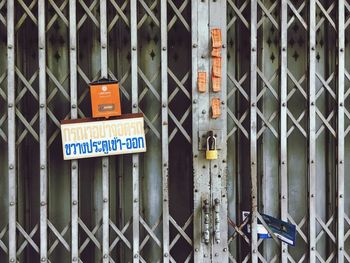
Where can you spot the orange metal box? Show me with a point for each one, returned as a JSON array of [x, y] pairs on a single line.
[[105, 98]]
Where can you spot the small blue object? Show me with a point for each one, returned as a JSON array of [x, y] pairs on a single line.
[[284, 231]]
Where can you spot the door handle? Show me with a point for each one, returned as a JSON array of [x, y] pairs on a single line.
[[217, 235], [206, 232]]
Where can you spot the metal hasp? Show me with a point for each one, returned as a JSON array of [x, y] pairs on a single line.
[[206, 223], [217, 235]]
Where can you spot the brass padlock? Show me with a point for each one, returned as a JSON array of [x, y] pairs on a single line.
[[211, 152]]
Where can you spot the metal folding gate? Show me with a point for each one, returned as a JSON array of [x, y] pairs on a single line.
[[284, 115]]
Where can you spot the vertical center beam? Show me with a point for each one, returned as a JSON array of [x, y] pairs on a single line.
[[340, 130], [105, 160], [165, 137], [312, 131], [135, 157], [253, 129], [74, 115], [283, 122], [218, 168], [11, 126], [42, 129], [200, 122]]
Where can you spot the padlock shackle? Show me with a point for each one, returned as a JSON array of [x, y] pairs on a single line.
[[214, 146]]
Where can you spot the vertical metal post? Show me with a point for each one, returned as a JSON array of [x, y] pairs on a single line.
[[74, 115], [43, 133], [340, 130], [11, 117], [165, 136], [135, 157], [283, 122], [105, 160], [312, 131], [218, 168], [200, 117], [253, 129]]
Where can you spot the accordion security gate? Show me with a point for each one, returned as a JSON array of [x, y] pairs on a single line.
[[285, 117]]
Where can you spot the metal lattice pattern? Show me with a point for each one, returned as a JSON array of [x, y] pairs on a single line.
[[287, 98]]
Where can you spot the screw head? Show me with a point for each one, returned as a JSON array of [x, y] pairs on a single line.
[[43, 259], [105, 200], [196, 249], [75, 202], [75, 259], [133, 48], [74, 106], [42, 203], [194, 45], [225, 249]]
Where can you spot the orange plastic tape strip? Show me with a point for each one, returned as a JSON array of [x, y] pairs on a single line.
[[216, 38], [215, 107], [216, 84], [217, 67], [202, 81]]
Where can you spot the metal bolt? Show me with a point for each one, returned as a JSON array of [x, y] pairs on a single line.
[[12, 203], [253, 104], [165, 200], [105, 256], [10, 47], [203, 56], [10, 105], [136, 256], [341, 49], [135, 200], [133, 48], [224, 161], [74, 167], [42, 203], [341, 161], [43, 259], [104, 165], [253, 49], [165, 164], [204, 111], [312, 103], [12, 260], [164, 48], [283, 104], [222, 103], [284, 49], [283, 162], [196, 250], [166, 255], [134, 105], [216, 254], [75, 259], [203, 166], [254, 250], [312, 161], [194, 45], [313, 248], [205, 255], [164, 105], [105, 200], [11, 166], [312, 195], [75, 202], [225, 249], [284, 250], [195, 156], [41, 47], [72, 48], [253, 196], [195, 101], [341, 104], [253, 163], [135, 165], [341, 196], [223, 46], [341, 248], [165, 123], [74, 106], [284, 197], [42, 167], [42, 105], [215, 166], [312, 48]]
